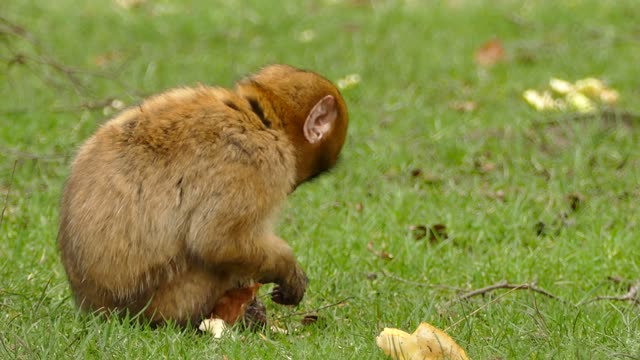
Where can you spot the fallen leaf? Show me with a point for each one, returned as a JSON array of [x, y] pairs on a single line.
[[426, 343], [464, 106], [416, 172], [382, 254], [540, 228], [490, 53], [575, 200], [309, 319], [438, 232], [359, 207], [418, 231], [106, 59]]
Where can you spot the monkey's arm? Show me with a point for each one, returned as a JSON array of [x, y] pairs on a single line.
[[231, 233], [282, 268]]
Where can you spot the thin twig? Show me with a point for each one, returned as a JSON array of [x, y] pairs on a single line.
[[71, 74], [478, 310], [631, 295], [416, 283], [6, 198], [315, 310], [31, 156], [504, 284]]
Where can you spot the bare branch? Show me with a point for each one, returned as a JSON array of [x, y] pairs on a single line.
[[416, 283], [631, 295], [504, 284], [6, 198], [315, 310], [31, 156]]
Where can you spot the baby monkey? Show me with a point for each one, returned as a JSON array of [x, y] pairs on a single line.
[[170, 205]]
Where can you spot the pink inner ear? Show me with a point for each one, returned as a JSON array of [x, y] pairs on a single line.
[[320, 119]]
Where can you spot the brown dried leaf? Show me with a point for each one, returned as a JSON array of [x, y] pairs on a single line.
[[575, 200], [106, 59], [359, 207], [418, 231], [463, 106], [490, 53], [382, 254], [416, 172], [540, 228], [309, 319], [438, 232]]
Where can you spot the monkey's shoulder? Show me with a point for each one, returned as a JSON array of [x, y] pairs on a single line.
[[188, 127]]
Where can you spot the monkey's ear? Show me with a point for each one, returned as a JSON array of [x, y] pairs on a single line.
[[320, 119]]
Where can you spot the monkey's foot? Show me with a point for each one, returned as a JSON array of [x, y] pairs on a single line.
[[255, 316]]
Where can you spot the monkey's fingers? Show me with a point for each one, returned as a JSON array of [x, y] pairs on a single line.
[[282, 296]]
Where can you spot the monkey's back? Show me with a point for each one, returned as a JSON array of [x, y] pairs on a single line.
[[145, 185]]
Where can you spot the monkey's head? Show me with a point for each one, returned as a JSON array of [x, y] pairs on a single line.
[[307, 107]]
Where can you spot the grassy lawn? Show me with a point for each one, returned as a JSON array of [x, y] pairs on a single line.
[[523, 196]]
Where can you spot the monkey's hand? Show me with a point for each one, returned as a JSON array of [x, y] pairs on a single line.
[[291, 291]]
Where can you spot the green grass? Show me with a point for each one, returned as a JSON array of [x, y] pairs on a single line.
[[415, 59]]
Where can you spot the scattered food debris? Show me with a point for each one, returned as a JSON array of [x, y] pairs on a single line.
[[584, 96], [128, 4], [217, 327], [426, 343], [348, 81], [306, 36]]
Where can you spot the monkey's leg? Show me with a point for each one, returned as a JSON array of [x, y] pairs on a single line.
[[255, 316], [187, 298]]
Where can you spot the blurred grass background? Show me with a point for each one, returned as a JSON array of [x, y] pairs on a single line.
[[524, 196]]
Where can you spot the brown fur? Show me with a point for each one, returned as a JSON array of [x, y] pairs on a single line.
[[170, 204]]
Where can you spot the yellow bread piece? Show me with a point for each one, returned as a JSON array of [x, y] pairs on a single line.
[[426, 343]]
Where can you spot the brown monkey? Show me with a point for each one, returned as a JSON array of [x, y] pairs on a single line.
[[169, 206]]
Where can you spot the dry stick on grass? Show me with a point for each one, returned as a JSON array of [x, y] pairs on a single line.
[[416, 283], [631, 295], [18, 57], [504, 284], [477, 310], [32, 156], [316, 309], [6, 198]]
